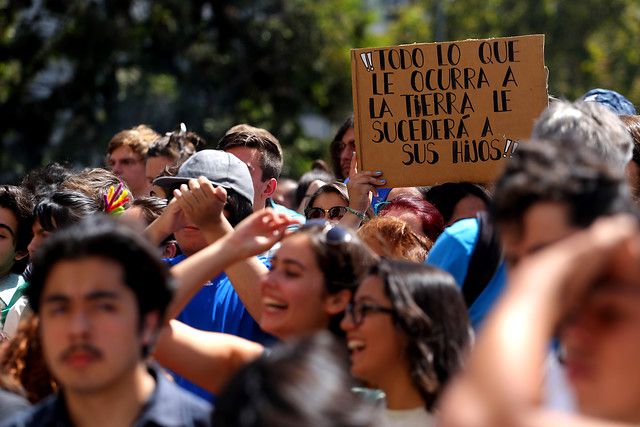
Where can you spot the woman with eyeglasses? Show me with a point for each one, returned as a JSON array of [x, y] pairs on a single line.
[[407, 331]]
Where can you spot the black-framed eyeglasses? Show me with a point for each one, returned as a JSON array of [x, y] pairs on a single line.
[[358, 311], [333, 213]]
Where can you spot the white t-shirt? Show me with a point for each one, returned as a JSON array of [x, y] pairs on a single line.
[[8, 286], [417, 417]]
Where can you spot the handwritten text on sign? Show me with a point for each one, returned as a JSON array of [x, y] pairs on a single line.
[[432, 113]]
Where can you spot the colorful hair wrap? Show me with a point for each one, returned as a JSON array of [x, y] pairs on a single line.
[[115, 199]]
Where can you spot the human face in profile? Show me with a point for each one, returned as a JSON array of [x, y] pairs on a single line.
[[8, 231], [377, 346], [347, 147]]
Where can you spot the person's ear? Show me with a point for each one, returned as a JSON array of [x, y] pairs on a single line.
[[337, 303], [150, 328], [169, 250], [269, 187]]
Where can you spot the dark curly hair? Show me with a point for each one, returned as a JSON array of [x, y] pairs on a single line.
[[429, 308], [177, 146], [543, 171], [22, 361], [64, 208]]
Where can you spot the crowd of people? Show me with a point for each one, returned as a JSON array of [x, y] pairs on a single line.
[[188, 286]]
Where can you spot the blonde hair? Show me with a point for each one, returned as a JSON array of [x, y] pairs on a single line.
[[392, 237], [138, 138]]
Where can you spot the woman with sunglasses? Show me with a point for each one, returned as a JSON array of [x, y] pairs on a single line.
[[329, 202], [407, 331], [313, 276]]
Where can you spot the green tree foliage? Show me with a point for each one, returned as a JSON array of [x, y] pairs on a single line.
[[74, 72], [588, 43]]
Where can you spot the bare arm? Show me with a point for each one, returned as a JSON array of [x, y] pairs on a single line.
[[208, 359], [171, 219], [231, 250]]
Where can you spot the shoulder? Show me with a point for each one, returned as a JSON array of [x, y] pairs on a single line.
[[459, 237], [11, 404], [46, 413], [171, 406]]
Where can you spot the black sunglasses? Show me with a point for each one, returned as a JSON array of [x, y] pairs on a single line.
[[333, 213]]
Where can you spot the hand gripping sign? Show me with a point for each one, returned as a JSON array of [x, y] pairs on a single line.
[[446, 112]]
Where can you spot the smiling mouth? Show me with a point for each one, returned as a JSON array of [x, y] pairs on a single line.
[[355, 345], [273, 305]]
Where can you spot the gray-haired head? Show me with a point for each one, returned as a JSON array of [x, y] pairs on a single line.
[[585, 125]]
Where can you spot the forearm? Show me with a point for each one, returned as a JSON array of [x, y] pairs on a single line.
[[157, 231], [245, 276], [207, 359]]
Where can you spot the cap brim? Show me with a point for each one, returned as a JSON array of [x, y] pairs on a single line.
[[170, 181]]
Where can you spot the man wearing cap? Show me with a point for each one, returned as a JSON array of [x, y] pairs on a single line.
[[216, 307]]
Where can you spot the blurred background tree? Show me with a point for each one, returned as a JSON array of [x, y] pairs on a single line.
[[74, 72]]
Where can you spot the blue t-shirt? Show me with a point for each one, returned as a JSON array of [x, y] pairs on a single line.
[[452, 253], [217, 308]]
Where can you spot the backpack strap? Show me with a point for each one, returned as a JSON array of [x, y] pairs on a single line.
[[484, 261]]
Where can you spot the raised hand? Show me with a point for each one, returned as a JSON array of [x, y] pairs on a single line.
[[201, 202], [361, 185], [258, 232]]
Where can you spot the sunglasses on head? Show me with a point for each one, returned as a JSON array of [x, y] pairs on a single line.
[[332, 234], [335, 212]]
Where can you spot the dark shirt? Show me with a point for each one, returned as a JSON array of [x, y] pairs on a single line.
[[168, 406]]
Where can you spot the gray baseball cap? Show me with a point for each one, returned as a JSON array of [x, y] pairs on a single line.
[[219, 167]]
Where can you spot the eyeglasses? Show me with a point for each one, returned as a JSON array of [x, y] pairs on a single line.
[[333, 213], [358, 311]]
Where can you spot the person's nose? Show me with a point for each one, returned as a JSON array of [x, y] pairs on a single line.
[[347, 324], [80, 325], [33, 246]]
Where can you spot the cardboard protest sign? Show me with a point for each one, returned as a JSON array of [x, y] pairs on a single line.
[[446, 112]]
